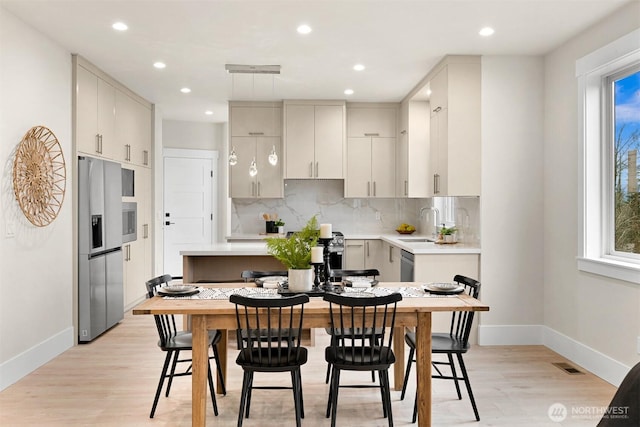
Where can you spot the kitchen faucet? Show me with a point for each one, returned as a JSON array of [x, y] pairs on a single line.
[[433, 208]]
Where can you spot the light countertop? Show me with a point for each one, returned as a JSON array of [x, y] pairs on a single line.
[[250, 245]]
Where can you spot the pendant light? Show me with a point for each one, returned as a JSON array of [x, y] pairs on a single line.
[[273, 156], [253, 168], [233, 157]]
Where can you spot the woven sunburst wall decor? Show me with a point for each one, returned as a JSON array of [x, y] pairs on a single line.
[[39, 176]]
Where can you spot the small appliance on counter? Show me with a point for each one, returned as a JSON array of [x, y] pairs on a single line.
[[100, 269]]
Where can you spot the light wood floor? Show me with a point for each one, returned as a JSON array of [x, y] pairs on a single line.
[[111, 382]]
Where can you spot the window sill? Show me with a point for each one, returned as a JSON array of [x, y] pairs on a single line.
[[612, 268]]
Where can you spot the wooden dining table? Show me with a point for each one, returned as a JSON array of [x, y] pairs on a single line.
[[219, 314]]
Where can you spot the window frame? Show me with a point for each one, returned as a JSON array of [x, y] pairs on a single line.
[[595, 192]]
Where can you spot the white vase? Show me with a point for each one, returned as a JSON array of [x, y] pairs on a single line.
[[300, 280]]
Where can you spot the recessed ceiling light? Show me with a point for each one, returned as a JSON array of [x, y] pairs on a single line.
[[486, 31], [304, 29], [185, 90], [159, 65], [358, 67], [348, 91], [208, 113], [120, 26]]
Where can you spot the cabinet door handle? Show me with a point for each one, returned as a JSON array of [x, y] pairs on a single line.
[[310, 169], [390, 254], [317, 169], [368, 188], [371, 134], [436, 182], [437, 109], [374, 188], [256, 133], [253, 189], [97, 143], [406, 187], [127, 253], [367, 243], [145, 154], [145, 232], [403, 132], [258, 189]]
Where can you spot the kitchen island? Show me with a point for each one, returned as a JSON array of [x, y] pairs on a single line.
[[224, 262]]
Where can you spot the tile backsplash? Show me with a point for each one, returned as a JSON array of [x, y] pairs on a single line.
[[325, 198]]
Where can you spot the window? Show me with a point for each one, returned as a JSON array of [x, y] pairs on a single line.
[[609, 96], [623, 105]]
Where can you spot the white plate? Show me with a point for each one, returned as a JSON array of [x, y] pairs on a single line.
[[177, 289], [354, 279], [443, 287]]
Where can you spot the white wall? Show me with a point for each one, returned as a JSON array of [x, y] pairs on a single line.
[[601, 315], [512, 199], [37, 266]]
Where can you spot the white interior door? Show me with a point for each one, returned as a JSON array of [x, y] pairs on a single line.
[[188, 207]]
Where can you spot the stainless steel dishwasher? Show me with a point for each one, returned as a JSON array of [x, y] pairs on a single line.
[[406, 266]]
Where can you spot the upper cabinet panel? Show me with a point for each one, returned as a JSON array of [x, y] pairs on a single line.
[[371, 121], [256, 120]]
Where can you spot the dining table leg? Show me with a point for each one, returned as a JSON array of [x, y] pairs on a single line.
[[200, 359], [423, 368], [398, 350]]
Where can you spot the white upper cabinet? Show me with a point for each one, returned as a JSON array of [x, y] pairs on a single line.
[[95, 108], [255, 133], [371, 151], [111, 123], [314, 139], [133, 130], [413, 150], [455, 128], [371, 120], [256, 120]]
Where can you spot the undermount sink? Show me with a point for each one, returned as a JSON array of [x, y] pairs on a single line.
[[416, 240]]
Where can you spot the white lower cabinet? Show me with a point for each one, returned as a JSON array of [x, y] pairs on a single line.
[[389, 263], [360, 254]]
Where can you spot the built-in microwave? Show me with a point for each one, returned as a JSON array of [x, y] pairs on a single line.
[[129, 221]]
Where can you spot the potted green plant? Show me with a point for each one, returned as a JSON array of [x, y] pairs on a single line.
[[295, 253], [280, 224], [448, 233]]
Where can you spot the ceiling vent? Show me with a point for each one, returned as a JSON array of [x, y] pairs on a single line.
[[252, 69]]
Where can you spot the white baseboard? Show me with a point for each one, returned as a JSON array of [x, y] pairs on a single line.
[[586, 357], [23, 364]]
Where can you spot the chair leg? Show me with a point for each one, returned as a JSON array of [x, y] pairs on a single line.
[[296, 397], [454, 375], [249, 391], [163, 374], [219, 369], [415, 409], [406, 375], [243, 397], [465, 376], [384, 402], [176, 355], [328, 376], [212, 391], [300, 393], [387, 395], [335, 379]]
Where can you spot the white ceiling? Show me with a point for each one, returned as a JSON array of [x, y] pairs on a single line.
[[398, 41]]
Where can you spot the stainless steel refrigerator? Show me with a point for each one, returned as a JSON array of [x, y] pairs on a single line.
[[100, 269]]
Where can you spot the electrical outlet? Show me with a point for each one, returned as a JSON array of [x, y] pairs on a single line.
[[10, 229], [378, 216]]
